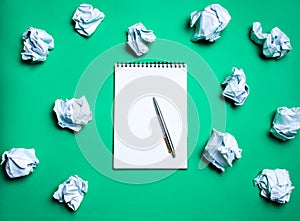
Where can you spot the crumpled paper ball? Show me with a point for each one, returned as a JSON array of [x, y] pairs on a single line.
[[37, 44], [87, 19], [236, 88], [275, 45], [221, 150], [71, 192], [286, 123], [19, 162], [138, 37], [275, 185], [209, 22], [73, 114]]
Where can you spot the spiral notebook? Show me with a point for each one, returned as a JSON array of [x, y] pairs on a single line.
[[138, 137]]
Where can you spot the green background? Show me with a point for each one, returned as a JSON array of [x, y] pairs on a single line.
[[28, 93]]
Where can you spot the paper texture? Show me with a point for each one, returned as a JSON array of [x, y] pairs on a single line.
[[138, 37], [87, 19], [275, 185], [236, 88], [275, 45], [37, 44], [138, 137], [221, 150], [73, 114], [209, 22], [71, 192], [19, 162], [286, 123]]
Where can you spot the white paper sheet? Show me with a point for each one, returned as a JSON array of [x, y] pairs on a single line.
[[209, 22], [275, 45], [87, 19], [37, 44], [275, 185], [19, 162], [71, 192], [286, 123], [138, 37], [236, 88], [221, 150], [73, 114]]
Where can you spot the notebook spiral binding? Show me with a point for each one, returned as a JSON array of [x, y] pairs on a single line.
[[152, 64]]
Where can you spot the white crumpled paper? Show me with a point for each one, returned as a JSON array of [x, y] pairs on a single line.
[[138, 36], [275, 45], [275, 185], [71, 192], [87, 19], [221, 150], [37, 44], [19, 162], [209, 22], [236, 88], [72, 114], [286, 123]]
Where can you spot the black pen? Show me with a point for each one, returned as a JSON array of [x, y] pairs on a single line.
[[164, 129]]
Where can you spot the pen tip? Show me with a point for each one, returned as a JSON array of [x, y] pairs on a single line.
[[173, 155]]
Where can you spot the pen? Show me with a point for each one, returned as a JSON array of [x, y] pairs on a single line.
[[164, 129]]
